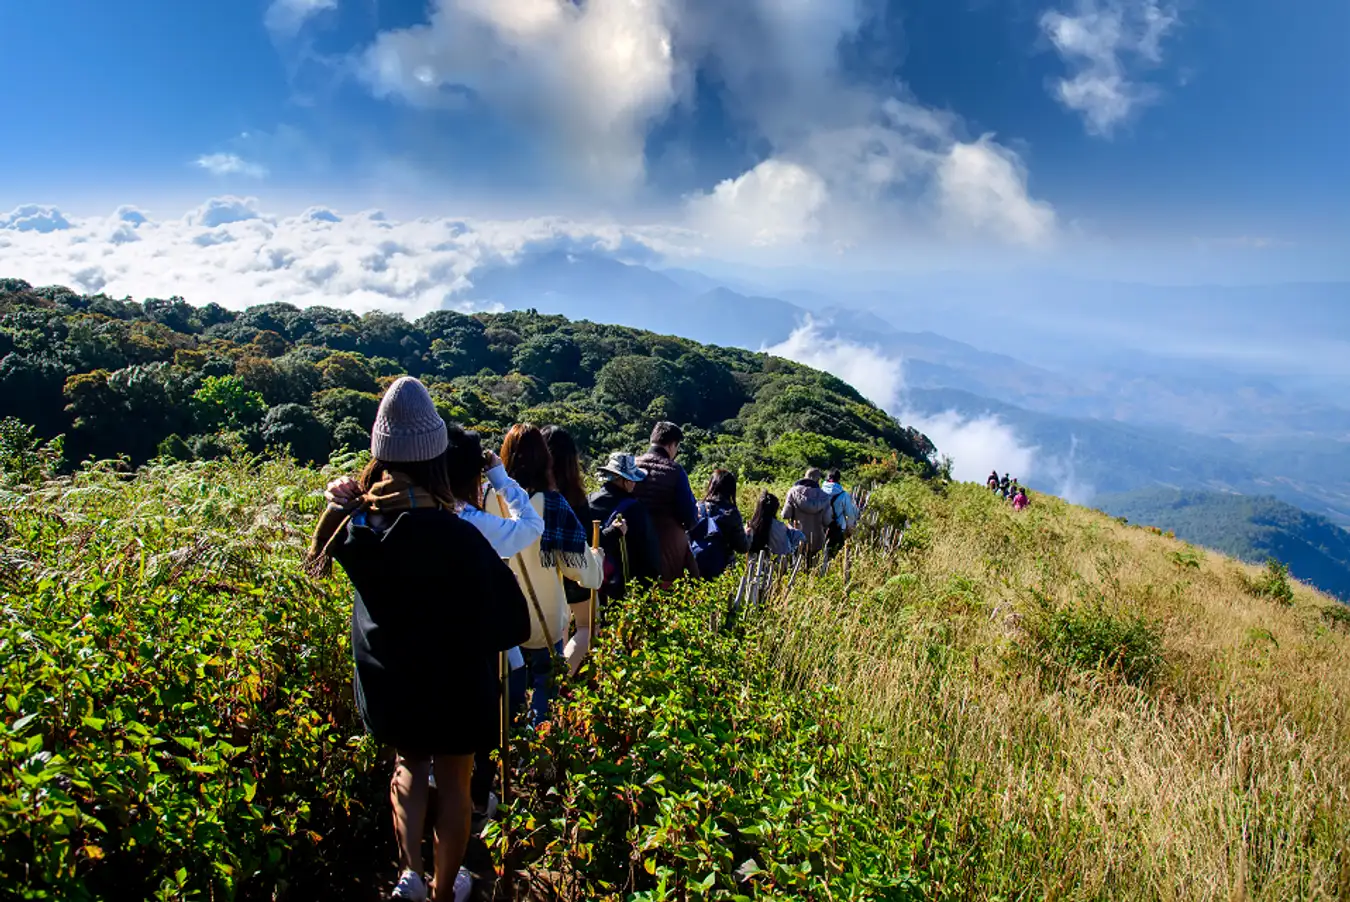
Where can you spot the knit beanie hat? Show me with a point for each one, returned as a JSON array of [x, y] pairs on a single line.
[[407, 428]]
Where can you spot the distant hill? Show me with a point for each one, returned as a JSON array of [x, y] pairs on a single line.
[[164, 378], [1252, 528]]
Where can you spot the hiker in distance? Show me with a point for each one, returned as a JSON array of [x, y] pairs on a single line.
[[719, 533], [992, 482], [768, 533], [632, 552], [434, 605], [1020, 500], [843, 512], [807, 507], [669, 501], [562, 553]]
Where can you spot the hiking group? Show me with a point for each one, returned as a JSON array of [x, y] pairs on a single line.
[[470, 567], [1009, 489]]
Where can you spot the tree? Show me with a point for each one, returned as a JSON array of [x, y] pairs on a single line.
[[638, 381], [224, 402], [293, 427], [549, 358], [337, 404], [347, 370]]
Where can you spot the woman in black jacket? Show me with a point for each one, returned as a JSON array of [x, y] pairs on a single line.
[[719, 534], [434, 604]]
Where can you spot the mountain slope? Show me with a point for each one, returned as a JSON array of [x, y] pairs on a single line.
[[1316, 550]]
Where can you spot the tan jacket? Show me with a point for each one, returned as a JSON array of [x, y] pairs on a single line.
[[548, 583]]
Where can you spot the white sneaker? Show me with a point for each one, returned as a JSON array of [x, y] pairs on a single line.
[[463, 885], [411, 886]]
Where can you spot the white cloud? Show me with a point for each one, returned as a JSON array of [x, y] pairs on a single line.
[[232, 252], [775, 202], [842, 162], [34, 218], [983, 189], [594, 76], [879, 378], [285, 18], [222, 164], [976, 444], [1101, 42]]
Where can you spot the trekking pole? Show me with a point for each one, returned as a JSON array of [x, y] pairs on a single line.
[[595, 593], [504, 741], [846, 570]]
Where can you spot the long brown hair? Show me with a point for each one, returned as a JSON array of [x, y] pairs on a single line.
[[761, 522], [527, 458], [431, 475], [464, 463], [567, 476]]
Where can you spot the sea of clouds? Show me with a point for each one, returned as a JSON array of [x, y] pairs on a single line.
[[230, 251]]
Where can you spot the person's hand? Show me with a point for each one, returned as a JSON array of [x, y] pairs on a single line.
[[621, 525], [342, 491], [493, 461]]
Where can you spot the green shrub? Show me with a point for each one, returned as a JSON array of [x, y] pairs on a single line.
[[1337, 615], [1090, 637], [1274, 584]]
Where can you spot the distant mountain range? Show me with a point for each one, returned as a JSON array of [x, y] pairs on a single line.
[[1252, 528], [1063, 368]]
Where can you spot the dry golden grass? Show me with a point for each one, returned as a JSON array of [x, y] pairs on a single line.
[[1227, 777]]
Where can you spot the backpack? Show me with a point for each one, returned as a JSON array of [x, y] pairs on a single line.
[[708, 543], [834, 530]]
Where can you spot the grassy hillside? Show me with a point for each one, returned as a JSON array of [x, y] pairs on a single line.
[[1251, 528], [1044, 705], [163, 378]]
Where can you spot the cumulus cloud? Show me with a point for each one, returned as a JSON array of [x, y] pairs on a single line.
[[840, 159], [975, 443], [34, 218], [285, 18], [1103, 42], [593, 75], [222, 164], [773, 203], [231, 251]]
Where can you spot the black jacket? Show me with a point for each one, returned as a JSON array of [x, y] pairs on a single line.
[[434, 605], [644, 551]]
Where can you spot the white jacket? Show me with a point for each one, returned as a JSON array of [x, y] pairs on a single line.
[[548, 583], [508, 536]]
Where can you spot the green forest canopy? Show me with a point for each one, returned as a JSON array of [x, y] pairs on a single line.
[[166, 378]]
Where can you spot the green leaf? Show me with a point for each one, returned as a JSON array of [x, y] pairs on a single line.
[[94, 723]]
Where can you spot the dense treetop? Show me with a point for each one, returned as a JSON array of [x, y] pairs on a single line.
[[165, 378]]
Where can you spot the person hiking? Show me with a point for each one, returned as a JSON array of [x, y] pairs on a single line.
[[768, 533], [719, 533], [466, 465], [807, 508], [425, 581], [632, 552], [571, 484], [669, 501], [843, 512], [1020, 500], [1004, 485], [562, 553], [992, 482]]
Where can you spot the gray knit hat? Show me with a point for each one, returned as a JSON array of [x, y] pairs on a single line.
[[407, 428]]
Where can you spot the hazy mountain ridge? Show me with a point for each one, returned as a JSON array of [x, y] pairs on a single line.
[[1251, 528]]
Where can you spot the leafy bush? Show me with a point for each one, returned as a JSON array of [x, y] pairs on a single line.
[[1089, 637], [176, 698], [684, 771], [1274, 584]]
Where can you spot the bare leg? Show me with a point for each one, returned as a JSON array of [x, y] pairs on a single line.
[[454, 773], [408, 793], [580, 643]]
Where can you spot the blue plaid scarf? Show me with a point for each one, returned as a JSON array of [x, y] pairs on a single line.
[[564, 540]]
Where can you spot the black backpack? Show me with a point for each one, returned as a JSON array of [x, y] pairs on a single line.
[[834, 530]]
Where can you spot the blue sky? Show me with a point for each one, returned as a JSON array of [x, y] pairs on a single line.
[[1138, 135]]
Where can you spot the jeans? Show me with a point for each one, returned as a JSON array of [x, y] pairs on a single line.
[[536, 675]]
